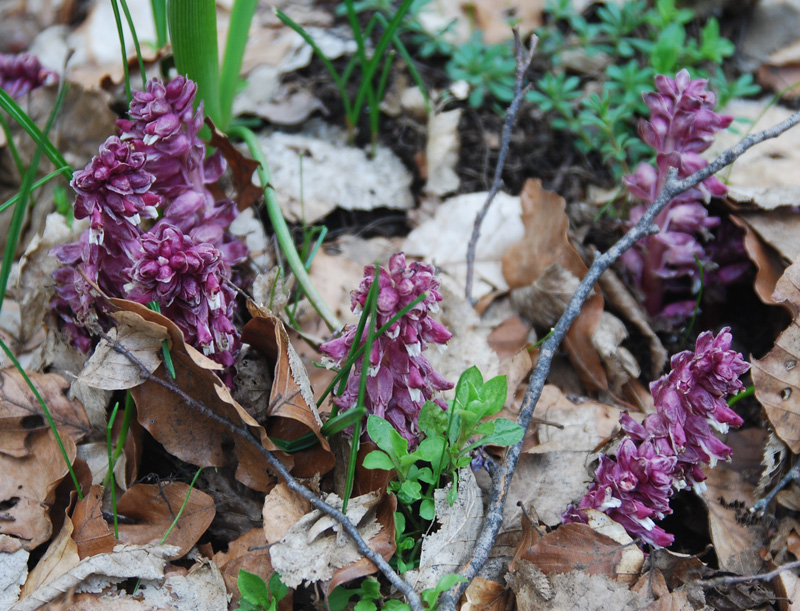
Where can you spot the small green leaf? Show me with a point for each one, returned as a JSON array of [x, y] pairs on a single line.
[[410, 492], [432, 419], [387, 439], [427, 509], [253, 588], [338, 599], [277, 588], [365, 605]]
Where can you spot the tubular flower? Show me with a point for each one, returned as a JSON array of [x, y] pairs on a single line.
[[682, 125], [667, 451], [20, 74], [400, 378], [183, 261]]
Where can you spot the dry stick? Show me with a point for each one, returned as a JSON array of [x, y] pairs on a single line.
[[502, 479], [523, 63], [729, 580], [244, 433]]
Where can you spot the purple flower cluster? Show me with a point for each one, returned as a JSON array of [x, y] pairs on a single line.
[[20, 74], [400, 379], [667, 450], [183, 261], [682, 125]]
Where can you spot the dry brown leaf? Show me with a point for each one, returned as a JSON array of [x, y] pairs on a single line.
[[249, 552], [382, 543], [443, 239], [91, 533], [282, 509], [242, 168], [576, 590], [632, 559], [60, 558], [448, 548], [620, 365], [737, 540], [21, 414], [509, 337], [779, 229], [577, 547], [201, 588], [316, 546], [787, 589], [107, 369], [13, 571], [95, 455], [183, 431], [153, 508], [546, 243], [486, 595], [27, 487], [776, 377], [492, 18]]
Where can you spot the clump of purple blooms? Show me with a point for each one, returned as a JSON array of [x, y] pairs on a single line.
[[183, 260], [22, 73], [400, 379], [666, 451], [682, 125]]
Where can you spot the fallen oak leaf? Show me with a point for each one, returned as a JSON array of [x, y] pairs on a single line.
[[249, 552]]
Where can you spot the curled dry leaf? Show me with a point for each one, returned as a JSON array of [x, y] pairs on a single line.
[[620, 364], [184, 431], [26, 489], [486, 595], [776, 377], [547, 242], [241, 167], [316, 546], [769, 264], [21, 414], [447, 549], [292, 409], [60, 557], [108, 369], [201, 588], [125, 562]]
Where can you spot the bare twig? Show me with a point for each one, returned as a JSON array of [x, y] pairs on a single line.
[[762, 504], [523, 63], [729, 580], [645, 226], [243, 432]]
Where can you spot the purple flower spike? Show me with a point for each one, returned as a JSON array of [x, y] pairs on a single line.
[[666, 452], [400, 378], [20, 74], [682, 124]]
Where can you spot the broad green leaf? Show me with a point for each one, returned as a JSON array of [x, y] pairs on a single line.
[[410, 492], [387, 438], [365, 605], [471, 376], [370, 588], [338, 599], [277, 588], [427, 509], [432, 450], [506, 433], [378, 459]]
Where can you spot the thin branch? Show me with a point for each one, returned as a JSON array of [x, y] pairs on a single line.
[[243, 432], [762, 504], [523, 63], [729, 580], [502, 479]]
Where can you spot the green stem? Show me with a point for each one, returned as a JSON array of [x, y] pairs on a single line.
[[745, 393], [160, 19], [47, 415], [238, 31], [130, 408], [109, 478], [281, 229]]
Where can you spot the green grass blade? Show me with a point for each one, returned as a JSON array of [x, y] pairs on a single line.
[[123, 51], [412, 67], [193, 30], [139, 57], [16, 113], [47, 415], [109, 478], [160, 19], [180, 512], [10, 202], [17, 219], [11, 146], [340, 83], [238, 32]]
